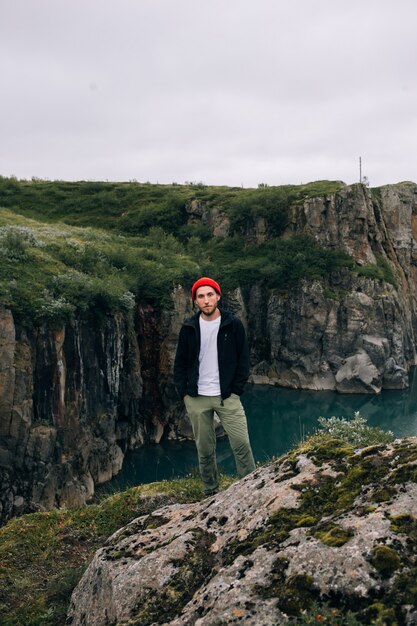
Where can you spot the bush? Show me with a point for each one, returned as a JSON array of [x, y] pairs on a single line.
[[355, 432], [279, 263], [381, 270], [14, 241], [269, 203]]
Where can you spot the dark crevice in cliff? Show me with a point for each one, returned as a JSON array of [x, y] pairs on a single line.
[[258, 336], [148, 325]]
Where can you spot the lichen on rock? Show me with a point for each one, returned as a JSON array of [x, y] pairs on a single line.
[[306, 532]]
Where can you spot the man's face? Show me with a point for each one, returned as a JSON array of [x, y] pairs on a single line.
[[206, 299]]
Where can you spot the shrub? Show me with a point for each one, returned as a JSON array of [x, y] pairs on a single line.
[[14, 241], [381, 270], [270, 203], [354, 432], [279, 263]]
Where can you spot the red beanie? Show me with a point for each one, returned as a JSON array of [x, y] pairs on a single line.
[[205, 282]]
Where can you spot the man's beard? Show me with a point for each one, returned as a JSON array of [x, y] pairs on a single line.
[[209, 311]]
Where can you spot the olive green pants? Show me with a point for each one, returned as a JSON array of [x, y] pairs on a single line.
[[232, 416]]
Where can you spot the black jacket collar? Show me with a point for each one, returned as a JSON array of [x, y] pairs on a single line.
[[194, 320]]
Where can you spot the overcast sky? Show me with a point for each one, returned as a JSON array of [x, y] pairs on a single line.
[[229, 92]]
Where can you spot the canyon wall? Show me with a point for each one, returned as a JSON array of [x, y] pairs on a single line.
[[353, 333], [73, 399]]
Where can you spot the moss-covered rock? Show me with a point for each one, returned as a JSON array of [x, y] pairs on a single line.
[[385, 560], [307, 533], [44, 555]]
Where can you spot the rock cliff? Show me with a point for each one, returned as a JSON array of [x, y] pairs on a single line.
[[325, 530], [356, 333], [73, 399]]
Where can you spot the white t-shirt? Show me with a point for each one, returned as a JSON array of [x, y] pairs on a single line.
[[208, 379]]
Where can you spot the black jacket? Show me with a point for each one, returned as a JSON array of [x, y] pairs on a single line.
[[233, 356]]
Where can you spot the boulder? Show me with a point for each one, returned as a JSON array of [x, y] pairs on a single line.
[[321, 527], [358, 375]]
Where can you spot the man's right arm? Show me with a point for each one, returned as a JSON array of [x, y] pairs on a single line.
[[181, 364]]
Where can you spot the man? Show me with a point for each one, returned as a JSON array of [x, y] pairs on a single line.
[[210, 371]]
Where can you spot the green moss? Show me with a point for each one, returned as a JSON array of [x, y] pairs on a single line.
[[379, 615], [324, 613], [404, 474], [324, 448], [306, 520], [405, 524], [286, 467], [328, 495], [384, 494], [331, 450], [385, 560], [332, 497], [406, 453], [404, 591], [293, 594], [332, 534], [192, 572]]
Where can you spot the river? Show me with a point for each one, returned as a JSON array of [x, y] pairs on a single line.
[[278, 418]]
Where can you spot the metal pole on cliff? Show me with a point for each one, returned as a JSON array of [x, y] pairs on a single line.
[[360, 170]]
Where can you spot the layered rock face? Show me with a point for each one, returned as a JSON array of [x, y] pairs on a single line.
[[73, 400], [358, 343], [354, 334], [60, 412], [323, 526]]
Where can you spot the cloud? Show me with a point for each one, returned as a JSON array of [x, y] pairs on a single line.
[[231, 92]]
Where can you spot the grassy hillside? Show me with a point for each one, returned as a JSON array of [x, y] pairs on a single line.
[[134, 208], [52, 272], [71, 249], [43, 555]]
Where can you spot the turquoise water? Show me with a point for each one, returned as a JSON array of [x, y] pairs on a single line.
[[278, 418]]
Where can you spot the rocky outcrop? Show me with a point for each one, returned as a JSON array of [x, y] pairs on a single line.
[[360, 340], [60, 414], [213, 218], [349, 334], [323, 529]]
